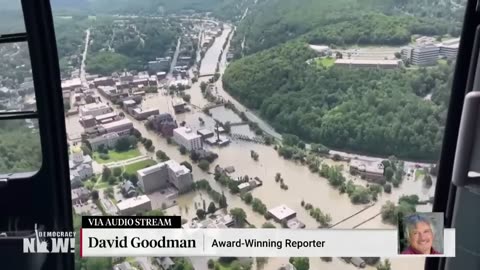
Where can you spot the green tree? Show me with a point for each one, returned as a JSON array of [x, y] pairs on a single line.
[[212, 208], [389, 173], [182, 149], [117, 171], [239, 216], [248, 198], [106, 173], [201, 214], [268, 225], [95, 195], [300, 263], [162, 156], [386, 265], [204, 165]]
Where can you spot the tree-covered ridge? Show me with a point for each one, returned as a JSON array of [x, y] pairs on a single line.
[[373, 111], [130, 43], [340, 22]]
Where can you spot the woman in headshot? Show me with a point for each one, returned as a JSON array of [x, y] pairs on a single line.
[[419, 234]]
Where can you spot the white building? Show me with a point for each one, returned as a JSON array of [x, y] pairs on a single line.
[[449, 48], [134, 205], [161, 175], [424, 55], [94, 109], [282, 213], [186, 137], [80, 166]]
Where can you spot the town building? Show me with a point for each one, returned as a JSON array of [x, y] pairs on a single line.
[[107, 140], [80, 166], [295, 224], [205, 133], [123, 266], [219, 222], [164, 124], [423, 55], [71, 84], [370, 171], [94, 109], [162, 175], [160, 64], [161, 75], [179, 105], [80, 195], [186, 137], [107, 118], [449, 49], [128, 103], [103, 81], [88, 121], [122, 127], [367, 63], [135, 205], [140, 114], [282, 213], [128, 189], [165, 263]]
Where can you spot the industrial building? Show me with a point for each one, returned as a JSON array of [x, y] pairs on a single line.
[[364, 63], [162, 175], [424, 55], [186, 137], [370, 171]]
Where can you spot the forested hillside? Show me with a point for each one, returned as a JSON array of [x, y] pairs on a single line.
[[343, 22], [397, 112], [225, 9]]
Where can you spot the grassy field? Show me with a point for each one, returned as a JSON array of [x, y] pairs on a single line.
[[116, 156], [419, 174], [326, 62], [134, 167]]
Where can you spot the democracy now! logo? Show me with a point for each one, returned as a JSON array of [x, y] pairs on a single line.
[[50, 242]]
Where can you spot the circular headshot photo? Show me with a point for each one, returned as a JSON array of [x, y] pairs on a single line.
[[421, 234]]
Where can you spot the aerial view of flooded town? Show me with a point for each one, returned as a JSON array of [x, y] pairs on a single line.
[[199, 115]]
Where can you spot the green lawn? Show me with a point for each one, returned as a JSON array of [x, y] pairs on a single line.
[[116, 156], [134, 167], [419, 174], [326, 62]]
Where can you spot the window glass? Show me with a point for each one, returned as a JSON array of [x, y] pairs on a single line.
[[16, 83], [20, 149], [11, 17]]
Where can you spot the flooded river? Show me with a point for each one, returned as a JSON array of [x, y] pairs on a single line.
[[302, 184]]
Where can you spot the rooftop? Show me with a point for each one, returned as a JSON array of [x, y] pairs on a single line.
[[367, 166], [173, 165], [95, 106], [118, 123], [366, 62], [105, 116], [104, 137], [72, 83], [281, 211], [186, 133], [133, 202]]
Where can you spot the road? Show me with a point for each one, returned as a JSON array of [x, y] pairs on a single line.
[[175, 55], [83, 76]]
